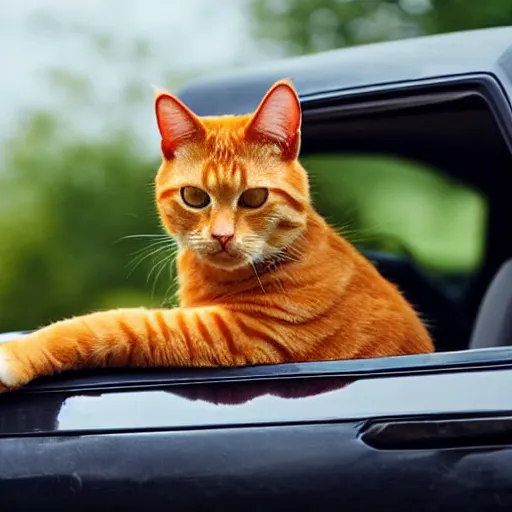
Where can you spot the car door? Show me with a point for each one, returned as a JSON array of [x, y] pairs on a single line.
[[427, 432]]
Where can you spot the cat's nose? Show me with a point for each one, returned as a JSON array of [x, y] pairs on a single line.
[[223, 238]]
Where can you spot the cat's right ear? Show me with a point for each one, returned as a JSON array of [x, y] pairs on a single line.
[[177, 124]]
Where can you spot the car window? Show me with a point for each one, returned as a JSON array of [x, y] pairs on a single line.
[[401, 207]]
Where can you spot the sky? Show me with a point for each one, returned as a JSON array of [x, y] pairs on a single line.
[[44, 38]]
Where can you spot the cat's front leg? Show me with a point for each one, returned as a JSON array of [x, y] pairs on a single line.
[[182, 337]]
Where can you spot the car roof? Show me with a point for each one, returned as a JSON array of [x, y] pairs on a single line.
[[406, 60]]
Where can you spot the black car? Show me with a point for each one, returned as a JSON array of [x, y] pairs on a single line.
[[423, 433]]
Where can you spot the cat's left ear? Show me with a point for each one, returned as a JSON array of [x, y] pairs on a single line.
[[278, 119], [177, 124]]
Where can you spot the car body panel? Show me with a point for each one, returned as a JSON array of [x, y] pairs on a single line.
[[261, 445], [303, 467], [410, 60], [260, 402]]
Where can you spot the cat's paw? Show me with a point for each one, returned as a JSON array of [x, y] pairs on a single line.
[[8, 377]]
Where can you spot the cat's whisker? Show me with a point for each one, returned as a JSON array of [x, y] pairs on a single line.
[[138, 260], [257, 276], [358, 235], [160, 242], [152, 245], [128, 237], [148, 252], [167, 262], [158, 266], [168, 298]]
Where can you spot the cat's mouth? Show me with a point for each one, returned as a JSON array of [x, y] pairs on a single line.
[[224, 254], [227, 258]]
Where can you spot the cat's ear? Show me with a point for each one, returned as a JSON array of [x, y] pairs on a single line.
[[177, 124], [278, 119]]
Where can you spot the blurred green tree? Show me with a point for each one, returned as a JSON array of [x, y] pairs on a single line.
[[304, 26], [71, 201], [66, 205]]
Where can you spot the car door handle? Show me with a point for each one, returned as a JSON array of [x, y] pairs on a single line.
[[438, 434]]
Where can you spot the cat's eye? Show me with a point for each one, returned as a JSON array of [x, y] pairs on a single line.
[[195, 197], [253, 198]]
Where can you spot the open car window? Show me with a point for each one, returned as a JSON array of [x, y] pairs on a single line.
[[418, 187], [403, 208], [424, 229]]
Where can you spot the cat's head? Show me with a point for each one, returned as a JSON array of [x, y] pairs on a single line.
[[230, 188]]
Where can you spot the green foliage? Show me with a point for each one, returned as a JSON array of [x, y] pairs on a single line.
[[306, 26], [66, 203], [72, 204], [401, 207]]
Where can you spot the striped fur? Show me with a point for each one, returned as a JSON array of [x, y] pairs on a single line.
[[285, 288]]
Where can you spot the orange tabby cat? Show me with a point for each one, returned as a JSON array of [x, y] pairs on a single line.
[[263, 278]]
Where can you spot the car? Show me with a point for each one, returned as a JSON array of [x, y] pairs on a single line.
[[423, 432]]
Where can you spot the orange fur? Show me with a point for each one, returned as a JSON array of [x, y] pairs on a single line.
[[257, 285]]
